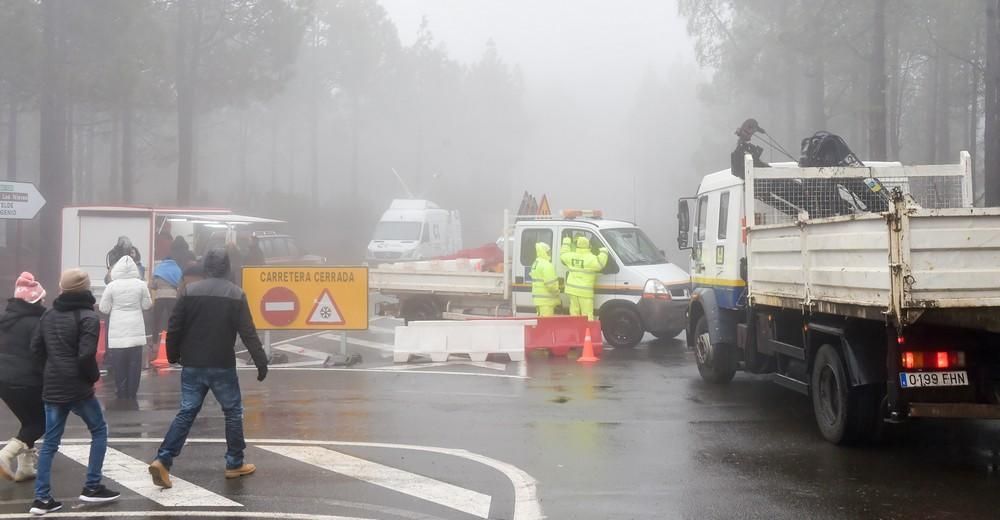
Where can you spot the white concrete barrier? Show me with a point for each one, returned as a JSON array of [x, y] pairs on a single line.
[[476, 338]]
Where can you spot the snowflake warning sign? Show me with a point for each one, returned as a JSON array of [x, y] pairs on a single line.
[[325, 311]]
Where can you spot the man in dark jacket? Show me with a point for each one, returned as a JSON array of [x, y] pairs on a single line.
[[65, 344], [202, 332]]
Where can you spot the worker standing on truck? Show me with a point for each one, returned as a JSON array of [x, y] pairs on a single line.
[[544, 284], [583, 266]]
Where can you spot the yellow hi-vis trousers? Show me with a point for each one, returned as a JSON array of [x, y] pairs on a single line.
[[545, 310], [580, 306]]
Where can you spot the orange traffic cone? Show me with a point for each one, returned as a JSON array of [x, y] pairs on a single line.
[[161, 357], [588, 350]]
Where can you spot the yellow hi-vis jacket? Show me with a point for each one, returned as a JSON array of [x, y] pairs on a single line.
[[544, 284], [583, 266]]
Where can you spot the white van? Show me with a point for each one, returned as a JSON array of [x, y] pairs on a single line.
[[414, 229]]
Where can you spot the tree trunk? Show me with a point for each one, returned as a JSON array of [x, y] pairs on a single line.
[[128, 148], [992, 100], [877, 113], [185, 103], [55, 181], [115, 158], [88, 161], [933, 81], [816, 97], [944, 152], [12, 113], [355, 147]]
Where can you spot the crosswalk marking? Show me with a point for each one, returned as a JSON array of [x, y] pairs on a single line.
[[419, 486], [133, 474]]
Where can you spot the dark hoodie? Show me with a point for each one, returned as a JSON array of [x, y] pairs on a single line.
[[17, 325], [65, 343], [207, 318]]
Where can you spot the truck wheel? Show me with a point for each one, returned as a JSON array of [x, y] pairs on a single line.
[[420, 309], [715, 362], [622, 327]]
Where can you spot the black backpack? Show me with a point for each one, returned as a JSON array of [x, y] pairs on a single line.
[[826, 149]]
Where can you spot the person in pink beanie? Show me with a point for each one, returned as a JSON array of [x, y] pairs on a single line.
[[21, 378]]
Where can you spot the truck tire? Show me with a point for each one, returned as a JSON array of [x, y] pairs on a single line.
[[622, 326], [419, 309], [844, 415], [715, 362]]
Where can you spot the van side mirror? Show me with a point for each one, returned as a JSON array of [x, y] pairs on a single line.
[[684, 224]]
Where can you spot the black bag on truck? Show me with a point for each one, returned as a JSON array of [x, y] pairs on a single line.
[[824, 149]]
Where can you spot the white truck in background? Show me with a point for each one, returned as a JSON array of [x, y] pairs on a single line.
[[89, 232], [874, 290], [639, 291], [413, 229]]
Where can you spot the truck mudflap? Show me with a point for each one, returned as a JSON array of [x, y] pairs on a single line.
[[955, 410]]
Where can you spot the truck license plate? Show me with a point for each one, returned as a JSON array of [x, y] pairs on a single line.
[[920, 379]]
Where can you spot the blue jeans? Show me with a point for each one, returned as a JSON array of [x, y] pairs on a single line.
[[195, 384], [55, 423]]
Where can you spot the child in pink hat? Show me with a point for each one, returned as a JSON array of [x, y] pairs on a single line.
[[21, 378]]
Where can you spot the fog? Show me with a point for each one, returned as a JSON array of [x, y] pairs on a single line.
[[302, 109]]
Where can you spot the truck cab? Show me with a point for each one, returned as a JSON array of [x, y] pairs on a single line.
[[638, 291]]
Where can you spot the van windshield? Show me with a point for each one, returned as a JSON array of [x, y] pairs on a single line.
[[389, 230], [633, 247]]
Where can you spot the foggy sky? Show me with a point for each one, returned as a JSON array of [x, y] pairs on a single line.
[[582, 63]]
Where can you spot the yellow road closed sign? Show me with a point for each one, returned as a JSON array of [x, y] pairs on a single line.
[[307, 298]]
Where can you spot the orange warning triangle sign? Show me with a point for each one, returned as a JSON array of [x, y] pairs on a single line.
[[325, 311], [543, 206]]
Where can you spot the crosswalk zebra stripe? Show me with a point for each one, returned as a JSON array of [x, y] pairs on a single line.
[[182, 514], [133, 474], [419, 486]]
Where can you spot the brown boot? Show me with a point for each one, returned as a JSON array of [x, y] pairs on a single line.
[[241, 471], [160, 474]]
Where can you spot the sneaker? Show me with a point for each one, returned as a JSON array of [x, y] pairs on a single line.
[[99, 494], [160, 474], [39, 507], [241, 471]]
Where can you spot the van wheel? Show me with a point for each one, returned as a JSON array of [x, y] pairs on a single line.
[[622, 327], [844, 414], [420, 309], [715, 362]]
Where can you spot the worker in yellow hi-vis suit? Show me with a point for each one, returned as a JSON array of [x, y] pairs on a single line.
[[583, 266], [544, 283]]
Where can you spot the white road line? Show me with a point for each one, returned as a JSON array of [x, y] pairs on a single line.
[[360, 342], [526, 505], [295, 349], [133, 474], [299, 364], [179, 514], [419, 486], [369, 370], [296, 338]]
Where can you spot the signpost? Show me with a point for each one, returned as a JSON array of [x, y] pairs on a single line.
[[19, 201], [307, 298]]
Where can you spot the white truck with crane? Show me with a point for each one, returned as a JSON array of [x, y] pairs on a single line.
[[639, 291], [875, 289]]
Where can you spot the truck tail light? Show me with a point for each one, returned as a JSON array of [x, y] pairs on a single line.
[[935, 360], [743, 228]]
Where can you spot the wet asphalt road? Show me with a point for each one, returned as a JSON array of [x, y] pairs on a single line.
[[637, 435]]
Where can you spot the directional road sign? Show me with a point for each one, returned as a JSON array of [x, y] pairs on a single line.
[[19, 200], [307, 298]]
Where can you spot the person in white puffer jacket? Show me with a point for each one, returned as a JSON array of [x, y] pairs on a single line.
[[123, 300]]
